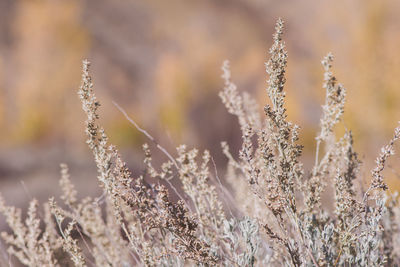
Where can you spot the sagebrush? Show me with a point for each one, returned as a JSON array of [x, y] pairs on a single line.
[[273, 216]]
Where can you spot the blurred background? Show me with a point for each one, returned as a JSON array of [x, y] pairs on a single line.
[[161, 61]]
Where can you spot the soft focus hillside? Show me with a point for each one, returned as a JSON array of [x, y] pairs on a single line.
[[161, 61]]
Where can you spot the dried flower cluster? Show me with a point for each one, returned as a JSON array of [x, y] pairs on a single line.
[[276, 216]]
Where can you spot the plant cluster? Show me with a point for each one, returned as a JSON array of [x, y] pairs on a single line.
[[275, 216]]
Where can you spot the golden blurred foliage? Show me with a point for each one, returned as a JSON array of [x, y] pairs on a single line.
[[49, 46], [161, 61]]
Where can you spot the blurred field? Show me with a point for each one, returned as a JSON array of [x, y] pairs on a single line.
[[161, 60]]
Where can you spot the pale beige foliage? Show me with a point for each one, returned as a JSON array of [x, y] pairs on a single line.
[[273, 216]]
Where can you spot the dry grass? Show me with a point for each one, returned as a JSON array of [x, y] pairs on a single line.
[[276, 217]]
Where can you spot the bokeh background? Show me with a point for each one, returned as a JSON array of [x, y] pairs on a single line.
[[160, 60]]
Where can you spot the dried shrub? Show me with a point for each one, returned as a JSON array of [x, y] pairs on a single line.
[[276, 217]]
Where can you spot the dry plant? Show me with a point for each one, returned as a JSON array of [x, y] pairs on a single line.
[[276, 217]]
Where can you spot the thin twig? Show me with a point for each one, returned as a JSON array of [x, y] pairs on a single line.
[[86, 244], [338, 257], [146, 134], [162, 149], [223, 189]]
